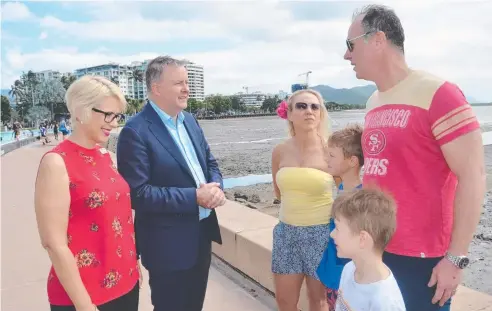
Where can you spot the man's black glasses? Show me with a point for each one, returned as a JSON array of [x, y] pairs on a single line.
[[110, 116], [350, 44], [304, 106]]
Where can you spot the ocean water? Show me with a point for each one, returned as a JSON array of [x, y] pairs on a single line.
[[339, 120]]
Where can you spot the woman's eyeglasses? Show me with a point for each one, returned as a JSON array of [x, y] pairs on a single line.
[[110, 116], [304, 106]]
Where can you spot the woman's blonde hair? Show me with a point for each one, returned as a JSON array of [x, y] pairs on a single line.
[[324, 127], [86, 93]]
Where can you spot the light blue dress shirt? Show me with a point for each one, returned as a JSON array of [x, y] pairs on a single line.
[[182, 139]]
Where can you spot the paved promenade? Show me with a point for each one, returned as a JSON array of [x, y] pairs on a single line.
[[25, 265]]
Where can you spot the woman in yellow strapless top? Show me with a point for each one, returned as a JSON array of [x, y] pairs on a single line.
[[304, 188]]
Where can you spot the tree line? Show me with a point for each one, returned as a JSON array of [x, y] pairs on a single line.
[[39, 99], [36, 99], [44, 99], [220, 104]]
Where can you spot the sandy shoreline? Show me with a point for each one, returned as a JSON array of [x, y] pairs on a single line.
[[243, 147]]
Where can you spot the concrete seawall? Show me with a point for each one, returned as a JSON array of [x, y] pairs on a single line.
[[9, 147], [247, 237]]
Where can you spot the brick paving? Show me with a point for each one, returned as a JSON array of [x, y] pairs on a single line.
[[25, 265]]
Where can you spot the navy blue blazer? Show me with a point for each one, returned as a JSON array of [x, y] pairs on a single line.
[[163, 190]]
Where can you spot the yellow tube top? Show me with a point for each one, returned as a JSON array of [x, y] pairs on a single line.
[[306, 196]]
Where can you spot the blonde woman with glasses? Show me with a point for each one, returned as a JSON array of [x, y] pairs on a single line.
[[83, 208]]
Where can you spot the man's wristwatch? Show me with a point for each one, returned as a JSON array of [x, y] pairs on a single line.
[[459, 261]]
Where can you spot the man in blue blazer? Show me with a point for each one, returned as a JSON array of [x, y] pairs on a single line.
[[175, 186]]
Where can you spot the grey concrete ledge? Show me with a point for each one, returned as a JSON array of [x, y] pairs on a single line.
[[9, 147], [247, 240]]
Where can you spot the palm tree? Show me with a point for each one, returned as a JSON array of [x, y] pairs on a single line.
[[67, 81], [115, 80], [134, 106], [137, 74], [15, 90]]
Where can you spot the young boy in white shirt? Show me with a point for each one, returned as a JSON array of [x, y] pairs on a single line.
[[365, 221]]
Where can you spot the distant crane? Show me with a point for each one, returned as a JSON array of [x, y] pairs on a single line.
[[246, 88], [307, 77]]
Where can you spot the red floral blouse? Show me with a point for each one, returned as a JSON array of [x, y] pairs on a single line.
[[100, 230]]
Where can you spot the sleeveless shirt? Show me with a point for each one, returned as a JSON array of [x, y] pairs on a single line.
[[306, 196], [100, 230]]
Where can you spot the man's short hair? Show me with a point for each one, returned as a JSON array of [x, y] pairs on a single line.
[[382, 18], [155, 68], [349, 140], [369, 210]]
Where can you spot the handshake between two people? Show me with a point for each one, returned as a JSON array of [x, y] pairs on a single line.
[[210, 195]]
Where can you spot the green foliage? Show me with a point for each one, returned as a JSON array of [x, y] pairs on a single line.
[[25, 91], [30, 92], [195, 106], [52, 95], [218, 104], [270, 104], [237, 104], [115, 80], [67, 81], [137, 74], [332, 106], [6, 110], [38, 113], [134, 105]]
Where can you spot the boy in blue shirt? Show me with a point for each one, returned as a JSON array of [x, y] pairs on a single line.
[[345, 160]]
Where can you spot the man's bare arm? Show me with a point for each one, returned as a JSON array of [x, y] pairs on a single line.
[[465, 157]]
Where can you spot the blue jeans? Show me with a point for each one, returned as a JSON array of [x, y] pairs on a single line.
[[412, 275]]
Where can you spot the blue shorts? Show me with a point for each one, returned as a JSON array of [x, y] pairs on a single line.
[[412, 275], [298, 249]]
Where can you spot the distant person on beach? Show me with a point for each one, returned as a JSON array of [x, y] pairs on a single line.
[[422, 143], [365, 222], [175, 184], [83, 209], [304, 187], [345, 159]]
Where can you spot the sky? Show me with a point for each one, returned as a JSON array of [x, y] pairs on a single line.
[[265, 45]]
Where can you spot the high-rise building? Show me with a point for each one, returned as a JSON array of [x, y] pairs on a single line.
[[47, 75], [254, 99], [112, 71], [131, 78], [196, 80]]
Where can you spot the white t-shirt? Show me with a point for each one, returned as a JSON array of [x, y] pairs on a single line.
[[384, 295]]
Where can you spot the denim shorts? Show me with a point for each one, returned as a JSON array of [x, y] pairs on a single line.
[[298, 249]]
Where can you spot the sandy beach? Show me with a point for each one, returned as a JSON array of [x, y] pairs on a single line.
[[243, 147]]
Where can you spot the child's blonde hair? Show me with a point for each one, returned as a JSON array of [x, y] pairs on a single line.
[[369, 210]]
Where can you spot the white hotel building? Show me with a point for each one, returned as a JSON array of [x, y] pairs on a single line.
[[137, 89]]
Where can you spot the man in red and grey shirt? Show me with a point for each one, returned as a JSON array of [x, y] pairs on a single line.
[[422, 144]]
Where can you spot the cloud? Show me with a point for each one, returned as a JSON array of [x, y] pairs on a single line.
[[134, 30], [268, 44], [43, 35], [15, 11]]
